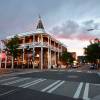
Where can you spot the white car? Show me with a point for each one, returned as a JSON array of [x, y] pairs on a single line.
[[74, 66]]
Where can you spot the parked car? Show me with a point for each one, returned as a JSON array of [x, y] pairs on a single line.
[[74, 65], [93, 66]]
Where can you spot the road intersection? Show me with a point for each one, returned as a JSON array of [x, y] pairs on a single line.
[[53, 84]]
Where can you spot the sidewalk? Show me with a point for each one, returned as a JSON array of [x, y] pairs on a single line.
[[5, 71], [19, 71]]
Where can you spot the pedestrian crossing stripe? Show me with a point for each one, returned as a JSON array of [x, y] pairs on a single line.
[[29, 83], [53, 84], [51, 88], [8, 79], [78, 91], [15, 81], [32, 83], [54, 88], [86, 92]]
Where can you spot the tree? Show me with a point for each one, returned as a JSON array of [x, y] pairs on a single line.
[[12, 46], [67, 57], [92, 51]]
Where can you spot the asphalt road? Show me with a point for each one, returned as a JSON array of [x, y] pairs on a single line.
[[50, 85]]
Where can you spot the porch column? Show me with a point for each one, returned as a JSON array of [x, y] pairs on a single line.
[[61, 50], [23, 50], [55, 52], [33, 56], [12, 66], [6, 60], [0, 53], [41, 52], [58, 52], [48, 54], [33, 50], [0, 58], [23, 57]]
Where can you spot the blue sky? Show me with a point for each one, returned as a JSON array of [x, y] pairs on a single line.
[[66, 19]]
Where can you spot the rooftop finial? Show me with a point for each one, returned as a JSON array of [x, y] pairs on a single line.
[[39, 16], [40, 25]]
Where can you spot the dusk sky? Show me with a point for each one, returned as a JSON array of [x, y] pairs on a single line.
[[68, 20]]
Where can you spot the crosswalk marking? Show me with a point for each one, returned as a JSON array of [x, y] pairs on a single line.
[[34, 83], [8, 79], [29, 83], [78, 91], [8, 92], [86, 91], [50, 86], [54, 88], [79, 71], [15, 81]]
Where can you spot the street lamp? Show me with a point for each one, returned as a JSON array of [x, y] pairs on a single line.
[[92, 29]]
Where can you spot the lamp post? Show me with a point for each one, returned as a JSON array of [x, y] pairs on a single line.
[[97, 40], [92, 29]]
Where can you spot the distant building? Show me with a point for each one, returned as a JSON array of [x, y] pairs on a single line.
[[38, 50], [73, 55], [81, 59]]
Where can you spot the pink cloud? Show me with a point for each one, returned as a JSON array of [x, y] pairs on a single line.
[[80, 36]]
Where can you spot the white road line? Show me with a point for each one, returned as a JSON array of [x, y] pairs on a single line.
[[50, 86], [78, 71], [89, 72], [15, 81], [34, 83], [8, 92], [86, 92], [29, 83], [54, 88], [8, 79], [78, 91]]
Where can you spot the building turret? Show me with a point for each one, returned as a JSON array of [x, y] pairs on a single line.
[[40, 27]]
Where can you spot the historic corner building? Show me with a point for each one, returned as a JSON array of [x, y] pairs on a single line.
[[37, 50]]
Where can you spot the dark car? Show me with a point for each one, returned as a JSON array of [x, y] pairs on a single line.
[[93, 66]]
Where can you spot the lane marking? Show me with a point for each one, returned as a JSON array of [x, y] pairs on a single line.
[[8, 79], [86, 92], [78, 91], [34, 83], [54, 88], [8, 92], [50, 86], [29, 83], [15, 81], [78, 71]]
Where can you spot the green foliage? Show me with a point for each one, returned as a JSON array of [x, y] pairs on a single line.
[[12, 45], [92, 52], [67, 57]]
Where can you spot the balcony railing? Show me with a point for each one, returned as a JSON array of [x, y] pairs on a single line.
[[39, 44]]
